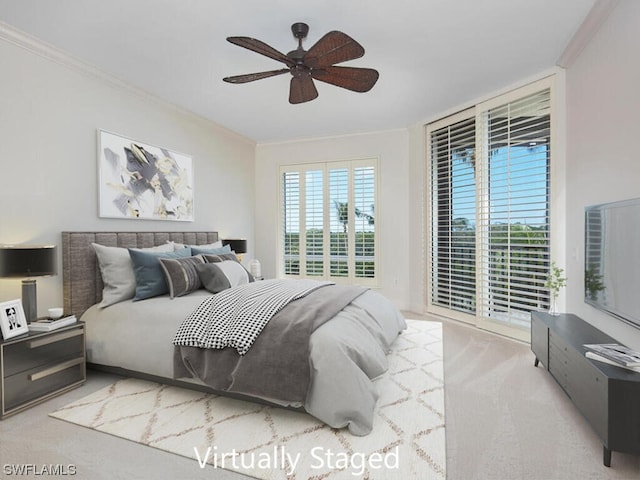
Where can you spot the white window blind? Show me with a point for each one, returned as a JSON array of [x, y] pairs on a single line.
[[514, 243], [489, 241], [290, 222], [364, 203], [339, 226], [314, 220], [453, 204], [335, 203]]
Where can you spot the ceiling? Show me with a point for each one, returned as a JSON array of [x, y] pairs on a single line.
[[432, 55]]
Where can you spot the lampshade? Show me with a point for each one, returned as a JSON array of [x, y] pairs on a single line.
[[26, 261], [238, 245]]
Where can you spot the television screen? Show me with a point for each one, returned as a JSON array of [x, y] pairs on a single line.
[[612, 259]]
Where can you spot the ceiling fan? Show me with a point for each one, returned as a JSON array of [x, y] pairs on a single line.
[[317, 63]]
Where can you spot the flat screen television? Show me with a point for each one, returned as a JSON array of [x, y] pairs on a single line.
[[612, 259]]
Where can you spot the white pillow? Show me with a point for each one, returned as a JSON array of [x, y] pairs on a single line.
[[117, 272], [178, 246], [235, 273], [219, 276]]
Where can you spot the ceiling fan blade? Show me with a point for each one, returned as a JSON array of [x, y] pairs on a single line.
[[302, 89], [250, 77], [261, 48], [334, 47], [352, 78]]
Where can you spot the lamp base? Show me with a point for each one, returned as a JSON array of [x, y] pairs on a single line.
[[29, 302]]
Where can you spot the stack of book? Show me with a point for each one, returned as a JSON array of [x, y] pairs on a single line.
[[48, 324], [614, 354]]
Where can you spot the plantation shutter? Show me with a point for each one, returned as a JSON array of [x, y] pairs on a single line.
[[339, 222], [328, 221], [453, 214], [364, 211], [314, 221], [290, 222], [514, 218]]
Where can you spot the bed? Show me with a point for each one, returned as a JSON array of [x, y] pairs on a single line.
[[345, 351]]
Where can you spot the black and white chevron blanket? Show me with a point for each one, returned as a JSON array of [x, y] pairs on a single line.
[[235, 317]]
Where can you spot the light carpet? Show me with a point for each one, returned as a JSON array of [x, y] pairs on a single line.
[[407, 442]]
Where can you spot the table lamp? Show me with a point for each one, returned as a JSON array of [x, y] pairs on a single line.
[[27, 262], [238, 245]]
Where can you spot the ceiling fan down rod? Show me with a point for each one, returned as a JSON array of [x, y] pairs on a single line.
[[300, 31]]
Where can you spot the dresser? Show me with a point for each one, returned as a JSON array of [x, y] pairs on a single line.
[[38, 366], [607, 396]]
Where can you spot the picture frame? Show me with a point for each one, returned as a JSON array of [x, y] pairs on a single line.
[[13, 321], [138, 180]]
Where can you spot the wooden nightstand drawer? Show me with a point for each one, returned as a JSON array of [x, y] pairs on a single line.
[[40, 365], [40, 381], [42, 350]]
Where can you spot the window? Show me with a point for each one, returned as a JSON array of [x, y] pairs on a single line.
[[453, 202], [489, 241], [290, 221], [335, 204]]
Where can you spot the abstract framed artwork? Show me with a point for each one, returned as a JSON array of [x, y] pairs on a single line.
[[142, 181]]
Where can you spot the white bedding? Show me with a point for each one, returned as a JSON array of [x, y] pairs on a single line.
[[346, 353], [138, 335]]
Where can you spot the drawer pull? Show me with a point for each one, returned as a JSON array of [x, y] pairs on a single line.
[[53, 338], [55, 369]]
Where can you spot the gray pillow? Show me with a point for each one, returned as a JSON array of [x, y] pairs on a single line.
[[117, 272], [219, 276], [209, 258], [212, 277], [181, 274], [221, 257]]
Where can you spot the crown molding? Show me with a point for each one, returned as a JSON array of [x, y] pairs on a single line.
[[587, 30], [39, 47]]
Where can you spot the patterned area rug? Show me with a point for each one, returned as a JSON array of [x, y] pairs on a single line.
[[407, 442]]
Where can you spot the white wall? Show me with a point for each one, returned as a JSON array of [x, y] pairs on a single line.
[[603, 159], [392, 213], [49, 114]]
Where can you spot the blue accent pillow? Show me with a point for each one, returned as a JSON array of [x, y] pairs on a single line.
[[150, 281], [210, 251]]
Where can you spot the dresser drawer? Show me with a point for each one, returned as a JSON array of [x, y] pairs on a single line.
[[559, 365], [38, 366], [40, 381], [42, 350], [557, 342], [592, 392]]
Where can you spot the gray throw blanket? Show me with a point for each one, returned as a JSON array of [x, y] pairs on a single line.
[[277, 365]]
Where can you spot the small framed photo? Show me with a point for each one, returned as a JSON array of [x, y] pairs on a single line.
[[12, 319]]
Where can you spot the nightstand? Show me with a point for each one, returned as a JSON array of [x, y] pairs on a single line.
[[37, 366]]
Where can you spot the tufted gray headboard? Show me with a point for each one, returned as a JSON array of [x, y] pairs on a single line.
[[81, 280]]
